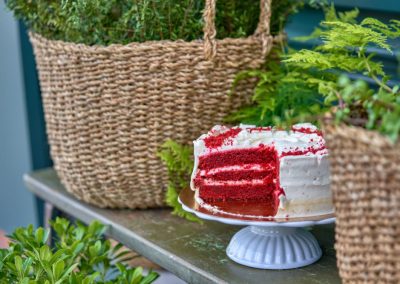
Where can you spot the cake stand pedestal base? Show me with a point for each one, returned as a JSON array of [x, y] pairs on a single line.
[[274, 247], [280, 243]]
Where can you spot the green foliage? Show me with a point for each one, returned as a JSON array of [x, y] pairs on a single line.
[[280, 95], [79, 256], [332, 16], [121, 21], [309, 85], [179, 162]]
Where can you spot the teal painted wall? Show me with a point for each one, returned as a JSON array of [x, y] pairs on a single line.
[[16, 203], [304, 22]]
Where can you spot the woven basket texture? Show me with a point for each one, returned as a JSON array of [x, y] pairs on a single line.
[[108, 109], [365, 176]]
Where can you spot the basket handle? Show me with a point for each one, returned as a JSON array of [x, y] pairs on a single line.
[[210, 32]]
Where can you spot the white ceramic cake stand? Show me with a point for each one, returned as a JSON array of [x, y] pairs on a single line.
[[266, 244]]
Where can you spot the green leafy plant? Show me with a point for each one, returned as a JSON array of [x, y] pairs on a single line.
[[121, 21], [179, 162], [313, 85], [280, 97], [79, 255]]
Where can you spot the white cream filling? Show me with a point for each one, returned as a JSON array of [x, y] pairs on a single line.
[[233, 182], [247, 167]]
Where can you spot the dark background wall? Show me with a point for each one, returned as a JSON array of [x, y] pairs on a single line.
[[17, 206]]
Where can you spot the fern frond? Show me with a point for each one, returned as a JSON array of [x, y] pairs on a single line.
[[373, 23], [309, 59], [391, 31], [330, 13], [331, 16], [344, 35], [314, 35], [395, 24], [177, 157], [349, 16], [179, 162], [172, 201], [345, 61]]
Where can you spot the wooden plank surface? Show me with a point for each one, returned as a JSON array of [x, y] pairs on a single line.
[[193, 252]]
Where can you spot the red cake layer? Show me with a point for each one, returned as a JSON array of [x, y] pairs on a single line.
[[261, 184], [257, 207], [211, 193], [260, 155]]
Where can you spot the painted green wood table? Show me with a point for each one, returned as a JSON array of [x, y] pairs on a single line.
[[193, 252]]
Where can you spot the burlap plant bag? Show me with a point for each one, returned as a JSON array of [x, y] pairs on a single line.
[[365, 176], [108, 109]]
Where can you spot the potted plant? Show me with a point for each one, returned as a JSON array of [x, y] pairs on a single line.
[[361, 125], [79, 254], [120, 77]]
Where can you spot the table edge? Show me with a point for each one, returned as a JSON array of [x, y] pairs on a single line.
[[126, 236]]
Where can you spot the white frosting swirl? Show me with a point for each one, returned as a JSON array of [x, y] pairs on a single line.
[[251, 136]]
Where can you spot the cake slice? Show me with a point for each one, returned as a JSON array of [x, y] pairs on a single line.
[[261, 171]]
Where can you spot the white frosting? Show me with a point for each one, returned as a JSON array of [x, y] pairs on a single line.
[[249, 137], [305, 181], [303, 178], [254, 167], [234, 182]]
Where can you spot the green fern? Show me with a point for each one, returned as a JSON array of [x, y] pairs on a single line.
[[340, 35], [344, 61], [172, 201], [331, 15], [281, 97], [392, 30], [309, 85], [343, 48], [179, 162]]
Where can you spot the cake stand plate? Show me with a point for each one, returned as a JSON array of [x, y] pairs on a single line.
[[266, 243]]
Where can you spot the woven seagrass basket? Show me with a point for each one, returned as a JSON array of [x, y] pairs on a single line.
[[108, 109], [365, 176]]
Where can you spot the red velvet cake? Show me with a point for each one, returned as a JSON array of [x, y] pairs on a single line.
[[259, 169]]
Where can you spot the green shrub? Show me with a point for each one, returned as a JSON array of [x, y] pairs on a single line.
[[80, 255], [122, 21]]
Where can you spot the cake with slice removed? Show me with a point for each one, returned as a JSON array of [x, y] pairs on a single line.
[[260, 171]]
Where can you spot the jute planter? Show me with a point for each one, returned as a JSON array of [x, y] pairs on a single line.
[[108, 109], [365, 169]]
